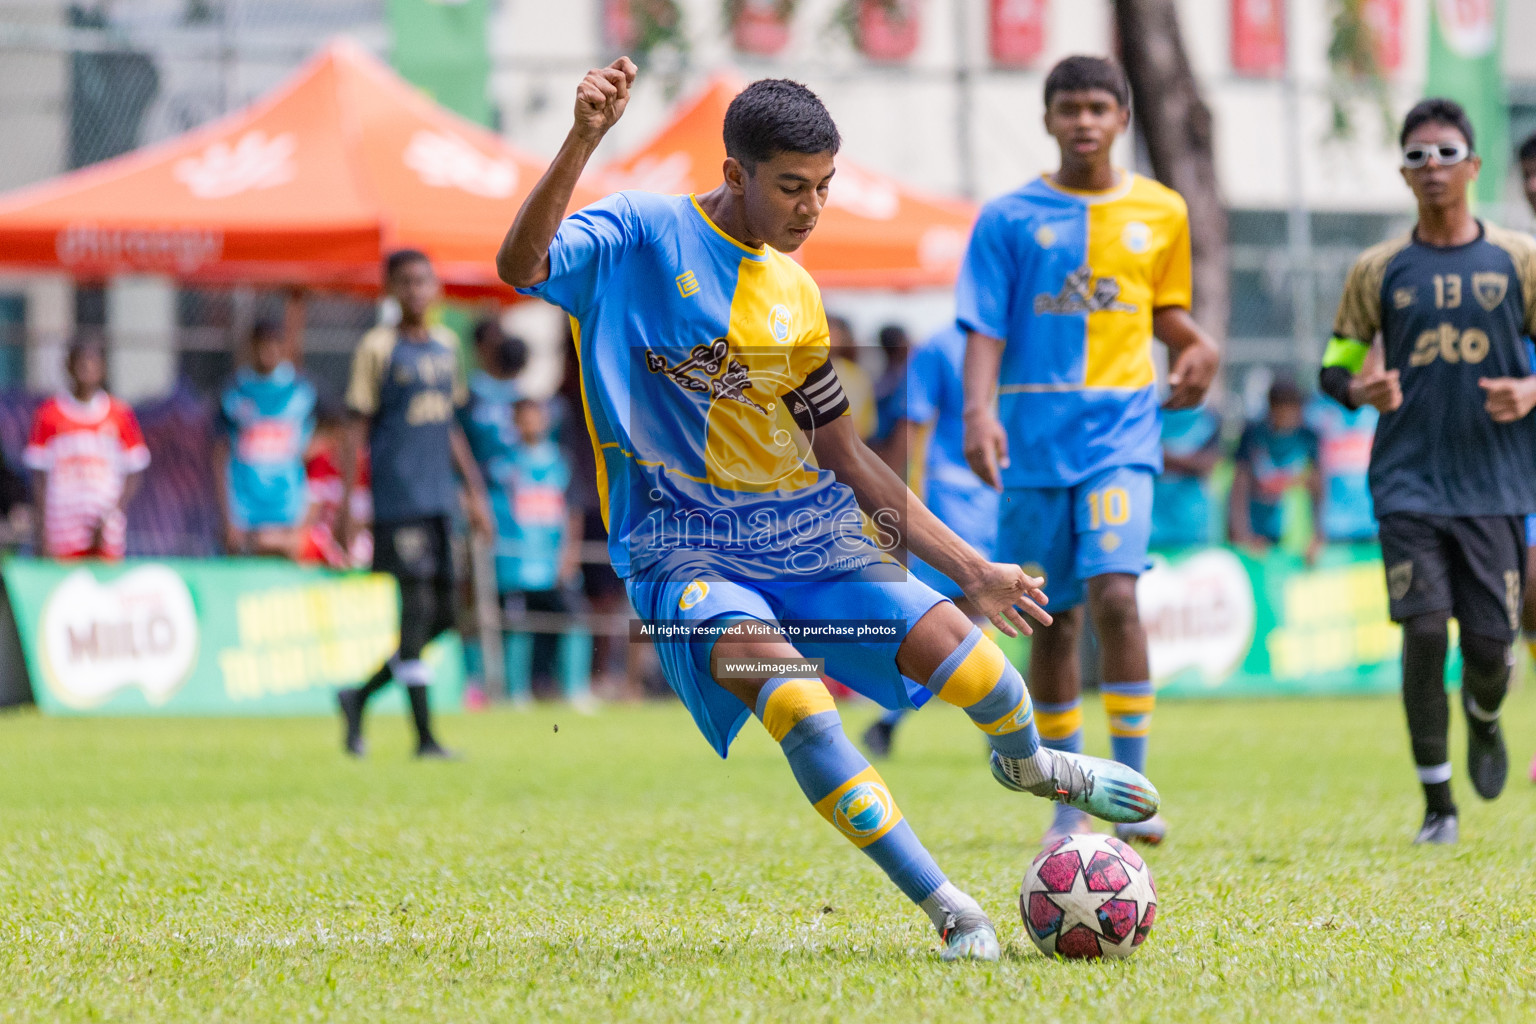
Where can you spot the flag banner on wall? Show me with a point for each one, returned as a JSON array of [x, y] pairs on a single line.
[[441, 47], [1258, 37], [1465, 63], [1017, 31], [760, 26], [1385, 17], [889, 29]]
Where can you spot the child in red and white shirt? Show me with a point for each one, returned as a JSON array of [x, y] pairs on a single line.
[[87, 456]]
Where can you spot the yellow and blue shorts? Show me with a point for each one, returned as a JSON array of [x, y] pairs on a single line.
[[866, 664], [1072, 534]]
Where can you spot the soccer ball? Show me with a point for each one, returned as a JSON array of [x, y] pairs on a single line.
[[1088, 896]]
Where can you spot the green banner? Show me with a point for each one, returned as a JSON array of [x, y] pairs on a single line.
[[197, 637], [441, 46], [1221, 623], [1466, 64]]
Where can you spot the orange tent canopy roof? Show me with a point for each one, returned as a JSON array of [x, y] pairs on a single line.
[[313, 185], [874, 232]]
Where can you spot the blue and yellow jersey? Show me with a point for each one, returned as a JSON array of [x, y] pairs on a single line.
[[704, 365], [268, 420], [1069, 281], [409, 390]]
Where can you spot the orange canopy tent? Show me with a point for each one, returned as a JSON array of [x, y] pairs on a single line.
[[874, 232], [311, 185]]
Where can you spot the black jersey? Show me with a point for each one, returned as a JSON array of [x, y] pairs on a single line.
[[1448, 318]]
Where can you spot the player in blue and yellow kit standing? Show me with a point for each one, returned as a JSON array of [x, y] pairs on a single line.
[[266, 418], [1064, 284], [1454, 305], [708, 387], [402, 398]]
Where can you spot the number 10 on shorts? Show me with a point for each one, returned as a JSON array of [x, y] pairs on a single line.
[[1108, 506]]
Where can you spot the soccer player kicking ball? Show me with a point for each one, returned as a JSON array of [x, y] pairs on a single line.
[[705, 374], [1454, 303], [1064, 285]]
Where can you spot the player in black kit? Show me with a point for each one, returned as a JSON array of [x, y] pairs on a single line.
[[1454, 306]]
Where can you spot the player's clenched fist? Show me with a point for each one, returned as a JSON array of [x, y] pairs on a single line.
[[602, 96], [1383, 390], [1508, 399]]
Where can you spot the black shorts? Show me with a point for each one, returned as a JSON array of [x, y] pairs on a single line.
[[1470, 566], [414, 549]]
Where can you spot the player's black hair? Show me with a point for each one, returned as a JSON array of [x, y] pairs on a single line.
[[262, 330], [1074, 74], [1527, 149], [1438, 110], [775, 115], [1285, 391], [401, 258], [511, 351], [894, 336], [526, 403]]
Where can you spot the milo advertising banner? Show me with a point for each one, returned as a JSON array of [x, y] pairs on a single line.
[[194, 637], [1221, 623]]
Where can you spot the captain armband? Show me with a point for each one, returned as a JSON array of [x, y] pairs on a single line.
[[818, 400], [1343, 358], [1345, 352]]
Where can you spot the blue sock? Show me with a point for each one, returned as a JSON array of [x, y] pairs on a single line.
[[841, 785], [979, 679], [1129, 707]]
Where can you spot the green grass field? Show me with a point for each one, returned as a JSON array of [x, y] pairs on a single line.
[[614, 869]]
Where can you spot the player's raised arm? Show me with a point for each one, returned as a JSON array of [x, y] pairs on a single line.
[[523, 259]]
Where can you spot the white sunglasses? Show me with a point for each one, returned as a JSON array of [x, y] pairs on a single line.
[[1445, 154]]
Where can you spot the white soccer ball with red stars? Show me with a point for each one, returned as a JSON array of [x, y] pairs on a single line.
[[1088, 896]]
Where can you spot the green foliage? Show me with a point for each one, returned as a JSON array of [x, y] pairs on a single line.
[[845, 17], [1357, 71], [658, 24], [165, 870]]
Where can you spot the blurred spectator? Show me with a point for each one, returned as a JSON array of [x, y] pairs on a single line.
[[87, 457], [1527, 156], [1181, 499], [853, 377], [1274, 454], [620, 665], [265, 422], [538, 554], [322, 474], [890, 389], [493, 388], [15, 508], [1344, 456]]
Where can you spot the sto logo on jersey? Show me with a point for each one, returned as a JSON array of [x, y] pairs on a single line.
[[1082, 294], [863, 810], [779, 323]]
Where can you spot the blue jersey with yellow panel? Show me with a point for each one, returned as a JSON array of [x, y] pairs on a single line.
[[1068, 281], [704, 369]]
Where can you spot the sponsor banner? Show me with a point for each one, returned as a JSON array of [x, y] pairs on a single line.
[[196, 637], [1220, 623]]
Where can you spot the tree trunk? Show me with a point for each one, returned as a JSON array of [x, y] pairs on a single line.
[[1176, 124]]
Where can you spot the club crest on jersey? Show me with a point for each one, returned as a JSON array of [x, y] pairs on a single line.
[[1489, 287], [695, 592], [1136, 236], [1083, 294], [1402, 298], [724, 378], [863, 810], [779, 323]]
